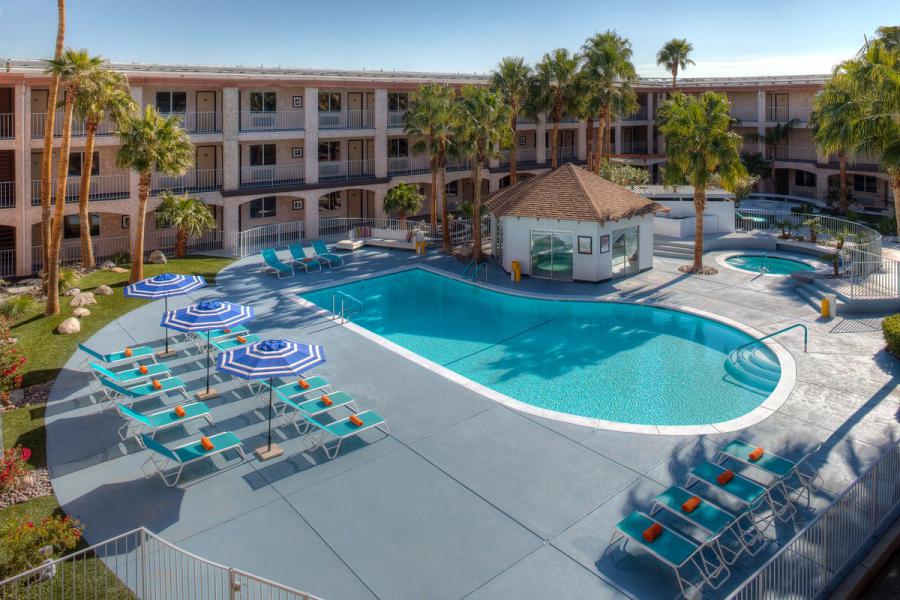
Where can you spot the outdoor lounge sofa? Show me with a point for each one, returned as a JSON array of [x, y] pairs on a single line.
[[383, 238]]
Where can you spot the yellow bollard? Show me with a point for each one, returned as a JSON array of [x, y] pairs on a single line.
[[826, 310], [516, 271]]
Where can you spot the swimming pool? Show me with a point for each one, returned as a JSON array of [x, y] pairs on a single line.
[[620, 362], [771, 265]]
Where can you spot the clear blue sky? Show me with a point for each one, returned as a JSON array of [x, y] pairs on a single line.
[[730, 38]]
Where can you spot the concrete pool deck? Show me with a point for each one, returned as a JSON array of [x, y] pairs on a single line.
[[445, 507]]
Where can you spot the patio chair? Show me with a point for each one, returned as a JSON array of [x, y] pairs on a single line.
[[313, 407], [223, 344], [113, 392], [293, 389], [775, 466], [672, 549], [137, 423], [746, 492], [309, 263], [199, 338], [342, 429], [138, 354], [127, 377], [163, 457], [322, 253], [272, 262]]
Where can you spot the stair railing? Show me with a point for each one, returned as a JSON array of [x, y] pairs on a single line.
[[350, 306], [732, 356]]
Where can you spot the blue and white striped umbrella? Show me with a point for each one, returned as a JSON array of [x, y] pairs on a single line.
[[163, 286], [268, 359]]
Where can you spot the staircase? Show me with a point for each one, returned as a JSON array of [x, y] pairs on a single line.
[[673, 248], [754, 366]]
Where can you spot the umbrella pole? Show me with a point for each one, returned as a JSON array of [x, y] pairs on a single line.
[[269, 435], [166, 300], [270, 450], [209, 393]]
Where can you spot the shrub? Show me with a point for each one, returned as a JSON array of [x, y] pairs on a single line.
[[11, 361], [121, 258], [13, 465], [16, 306], [28, 544], [890, 327]]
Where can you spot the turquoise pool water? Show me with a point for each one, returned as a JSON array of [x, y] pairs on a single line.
[[619, 362], [773, 265]]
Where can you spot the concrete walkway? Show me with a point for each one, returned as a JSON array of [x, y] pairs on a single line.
[[445, 507]]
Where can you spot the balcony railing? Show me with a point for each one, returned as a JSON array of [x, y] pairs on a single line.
[[346, 119], [7, 126], [339, 170], [408, 165], [566, 152], [793, 153], [207, 180], [271, 175], [7, 263], [103, 187], [783, 114], [105, 127], [523, 120], [396, 118], [199, 122], [633, 147], [7, 194], [281, 120], [639, 115], [523, 155], [746, 114], [462, 164]]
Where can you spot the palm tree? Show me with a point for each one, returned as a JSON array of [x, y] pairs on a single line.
[[190, 217], [700, 149], [431, 117], [72, 69], [674, 56], [49, 124], [833, 114], [512, 80], [104, 93], [403, 199], [483, 128], [150, 141], [608, 68], [553, 90]]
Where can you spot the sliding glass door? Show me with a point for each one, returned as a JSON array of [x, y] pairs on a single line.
[[625, 252], [552, 253]]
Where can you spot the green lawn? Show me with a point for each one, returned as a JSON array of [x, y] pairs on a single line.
[[47, 351]]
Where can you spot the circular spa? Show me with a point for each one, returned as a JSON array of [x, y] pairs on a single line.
[[616, 362], [767, 265]]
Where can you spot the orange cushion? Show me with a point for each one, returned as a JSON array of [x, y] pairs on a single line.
[[128, 352], [326, 400], [691, 504], [757, 454], [307, 260], [206, 443], [226, 330], [357, 422], [241, 339], [143, 370], [653, 532], [725, 476], [304, 385], [179, 410], [157, 385]]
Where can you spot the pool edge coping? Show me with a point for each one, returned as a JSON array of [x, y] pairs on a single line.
[[722, 258]]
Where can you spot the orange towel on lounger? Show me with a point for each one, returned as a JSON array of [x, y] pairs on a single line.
[[357, 422], [226, 330], [725, 476], [326, 400], [128, 352], [143, 370], [206, 443], [653, 532], [304, 385], [157, 385], [691, 504], [757, 454], [241, 339], [179, 411]]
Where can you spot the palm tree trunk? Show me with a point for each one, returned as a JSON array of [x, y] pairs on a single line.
[[180, 243], [674, 77], [598, 144], [554, 141], [589, 144], [894, 175], [446, 245], [513, 158], [137, 255], [51, 260], [476, 212], [699, 207], [84, 196], [434, 205], [842, 179], [49, 124], [608, 137]]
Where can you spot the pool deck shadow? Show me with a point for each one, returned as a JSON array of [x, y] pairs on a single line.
[[447, 506]]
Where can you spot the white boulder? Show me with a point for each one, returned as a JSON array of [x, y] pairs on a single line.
[[83, 299], [70, 325]]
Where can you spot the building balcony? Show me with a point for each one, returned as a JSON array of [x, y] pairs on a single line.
[[783, 114], [271, 175], [199, 122], [397, 118], [280, 120], [7, 126], [523, 120], [7, 194], [523, 156], [408, 165], [342, 170], [346, 119], [103, 187], [106, 127], [862, 163], [208, 180], [746, 114], [462, 164], [793, 153], [566, 153], [633, 147], [641, 114]]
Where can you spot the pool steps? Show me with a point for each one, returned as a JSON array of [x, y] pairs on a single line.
[[754, 366]]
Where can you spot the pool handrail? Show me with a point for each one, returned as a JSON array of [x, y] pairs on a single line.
[[345, 298], [773, 334]]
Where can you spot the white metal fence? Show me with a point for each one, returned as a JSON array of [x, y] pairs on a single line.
[[140, 564], [346, 119], [7, 194], [199, 122], [7, 263], [337, 170], [7, 126], [829, 229], [821, 554], [409, 165], [282, 120], [105, 127], [271, 175], [793, 153], [205, 180], [251, 241], [396, 118], [103, 187], [869, 275]]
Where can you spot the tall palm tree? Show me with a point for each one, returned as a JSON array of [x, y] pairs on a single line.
[[104, 93], [674, 55], [553, 90], [512, 80], [700, 149], [151, 142], [483, 128], [833, 114], [607, 65], [72, 68], [189, 216], [49, 124], [431, 118]]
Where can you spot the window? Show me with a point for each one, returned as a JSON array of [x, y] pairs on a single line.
[[804, 179], [76, 159], [262, 101], [171, 102], [262, 207], [398, 147], [398, 101], [262, 154], [72, 226], [865, 183], [329, 151], [330, 202], [329, 101], [452, 188]]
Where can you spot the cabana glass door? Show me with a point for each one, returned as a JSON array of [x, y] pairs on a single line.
[[552, 253], [625, 252]]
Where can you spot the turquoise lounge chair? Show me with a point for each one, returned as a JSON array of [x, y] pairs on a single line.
[[138, 354], [302, 260], [199, 337], [137, 423], [223, 344], [748, 493], [113, 392], [272, 262], [775, 466], [163, 457], [673, 550], [127, 377], [325, 256], [341, 430], [312, 407], [294, 390]]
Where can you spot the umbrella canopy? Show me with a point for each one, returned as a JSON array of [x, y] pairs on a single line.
[[206, 316], [164, 285], [271, 358]]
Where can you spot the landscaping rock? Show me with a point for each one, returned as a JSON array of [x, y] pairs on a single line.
[[40, 486], [72, 292], [83, 299], [81, 312], [119, 270], [108, 265], [157, 258], [103, 290], [70, 325], [22, 289]]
